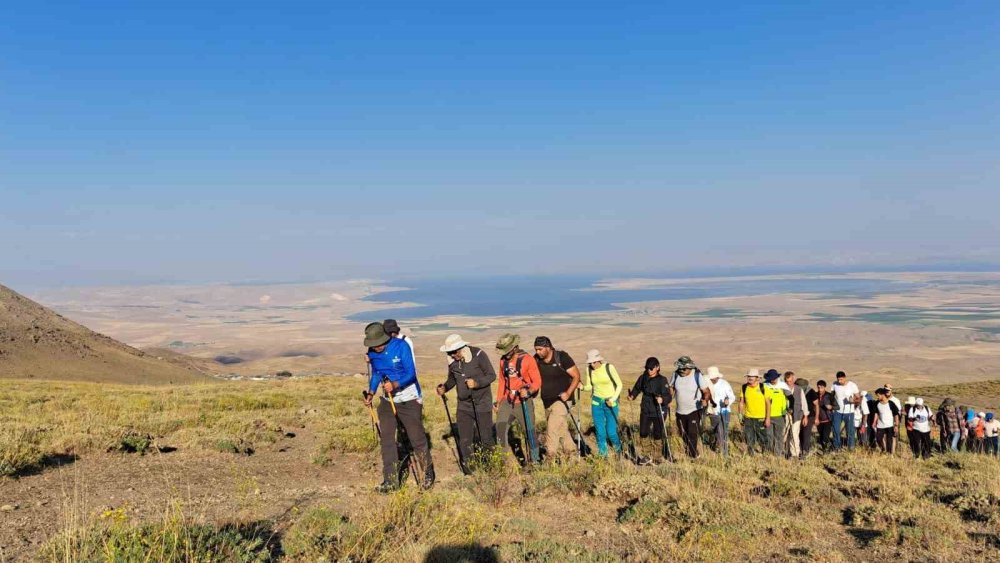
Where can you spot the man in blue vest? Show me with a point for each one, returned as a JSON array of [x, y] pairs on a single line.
[[394, 377]]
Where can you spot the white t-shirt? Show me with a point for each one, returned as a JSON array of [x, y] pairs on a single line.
[[993, 428], [921, 417], [844, 393], [885, 419], [687, 393]]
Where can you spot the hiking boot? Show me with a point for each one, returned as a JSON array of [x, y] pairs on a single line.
[[387, 487], [429, 479]]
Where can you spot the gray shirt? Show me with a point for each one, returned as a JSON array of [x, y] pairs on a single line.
[[686, 392]]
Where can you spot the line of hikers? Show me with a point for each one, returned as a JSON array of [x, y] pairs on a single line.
[[779, 411]]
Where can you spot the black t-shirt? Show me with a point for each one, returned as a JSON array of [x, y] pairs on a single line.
[[812, 396], [555, 378]]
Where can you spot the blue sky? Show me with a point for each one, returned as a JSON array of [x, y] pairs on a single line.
[[227, 141]]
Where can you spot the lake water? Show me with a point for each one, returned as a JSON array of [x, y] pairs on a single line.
[[520, 296]]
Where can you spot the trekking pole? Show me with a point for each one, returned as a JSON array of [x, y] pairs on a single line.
[[666, 442], [529, 431], [579, 432], [453, 431], [579, 435], [371, 411], [409, 457]]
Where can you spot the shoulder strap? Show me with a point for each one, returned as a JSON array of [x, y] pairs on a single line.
[[608, 367], [517, 366], [557, 356]]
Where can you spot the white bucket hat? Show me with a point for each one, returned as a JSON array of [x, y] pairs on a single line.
[[453, 343], [594, 356], [714, 373], [920, 402], [754, 373]]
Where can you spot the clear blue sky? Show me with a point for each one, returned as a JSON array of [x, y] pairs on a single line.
[[226, 141]]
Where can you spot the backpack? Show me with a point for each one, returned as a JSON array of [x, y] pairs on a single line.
[[505, 369], [698, 395]]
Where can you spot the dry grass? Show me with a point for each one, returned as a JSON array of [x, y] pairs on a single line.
[[836, 507]]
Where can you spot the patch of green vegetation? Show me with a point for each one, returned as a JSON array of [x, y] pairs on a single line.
[[20, 450], [721, 313], [319, 534], [175, 539]]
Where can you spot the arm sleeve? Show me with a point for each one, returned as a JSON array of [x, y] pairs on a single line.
[[613, 374], [372, 379], [530, 373], [488, 374], [501, 385], [449, 383], [638, 385]]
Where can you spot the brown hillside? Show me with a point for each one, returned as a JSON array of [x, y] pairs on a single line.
[[36, 342]]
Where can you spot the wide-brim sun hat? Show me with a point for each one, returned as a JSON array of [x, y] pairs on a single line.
[[911, 400], [453, 343], [753, 373], [594, 356], [713, 373], [772, 375], [508, 342], [375, 335]]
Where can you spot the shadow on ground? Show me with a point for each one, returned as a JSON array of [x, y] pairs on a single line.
[[462, 553]]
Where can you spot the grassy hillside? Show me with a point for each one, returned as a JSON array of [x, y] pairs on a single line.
[[849, 506], [35, 342]]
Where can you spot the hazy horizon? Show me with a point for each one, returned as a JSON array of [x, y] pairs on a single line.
[[187, 143]]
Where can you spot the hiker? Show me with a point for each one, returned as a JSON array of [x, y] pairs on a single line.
[[809, 423], [825, 405], [471, 374], [718, 413], [947, 421], [560, 378], [899, 405], [967, 434], [799, 437], [787, 386], [755, 408], [655, 390], [847, 396], [921, 418], [779, 406], [992, 433], [861, 424], [692, 394], [394, 376], [605, 386], [911, 403], [519, 383], [977, 430], [886, 420]]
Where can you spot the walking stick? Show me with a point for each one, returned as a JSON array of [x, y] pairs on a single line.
[[579, 435], [410, 459], [579, 432], [666, 442], [453, 430], [529, 431], [371, 411]]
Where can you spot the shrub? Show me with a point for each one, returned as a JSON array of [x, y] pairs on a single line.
[[318, 535], [19, 451]]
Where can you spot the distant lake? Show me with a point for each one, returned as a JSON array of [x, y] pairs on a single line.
[[527, 296]]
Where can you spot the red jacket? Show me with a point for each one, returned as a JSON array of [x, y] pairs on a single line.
[[512, 381]]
